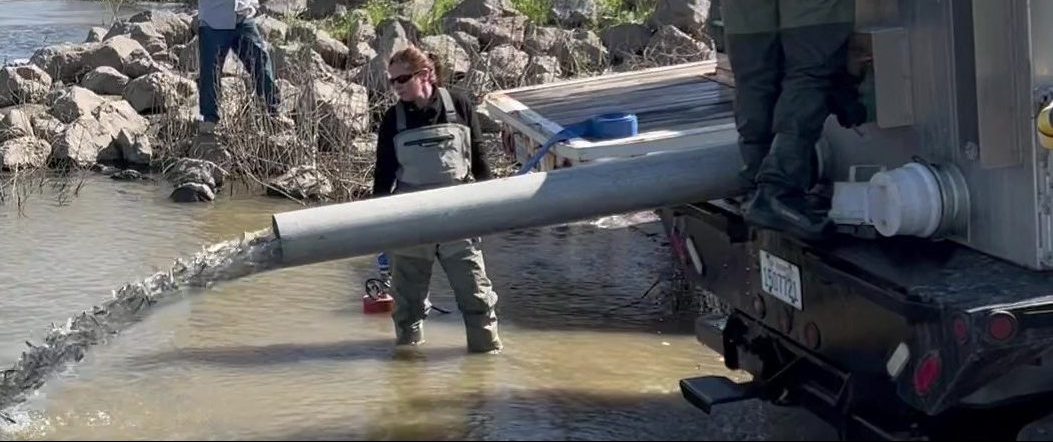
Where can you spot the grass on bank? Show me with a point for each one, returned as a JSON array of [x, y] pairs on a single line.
[[611, 12], [539, 12]]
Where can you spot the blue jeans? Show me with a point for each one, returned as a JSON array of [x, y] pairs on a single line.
[[246, 41]]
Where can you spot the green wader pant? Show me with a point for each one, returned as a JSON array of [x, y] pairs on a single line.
[[463, 262], [785, 56]]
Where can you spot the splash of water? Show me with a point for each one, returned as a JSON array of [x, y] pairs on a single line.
[[253, 253], [627, 220]]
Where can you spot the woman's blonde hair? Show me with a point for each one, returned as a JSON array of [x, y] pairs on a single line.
[[418, 60]]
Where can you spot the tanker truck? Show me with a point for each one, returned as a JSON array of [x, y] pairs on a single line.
[[928, 315]]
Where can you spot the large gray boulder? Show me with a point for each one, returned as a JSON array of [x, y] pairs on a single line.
[[575, 13], [105, 80], [506, 65], [543, 69], [492, 31], [301, 182], [82, 142], [24, 153], [687, 15], [17, 123], [284, 7], [274, 30], [194, 180], [335, 53], [95, 34], [626, 40], [47, 127], [174, 27], [482, 8], [135, 149], [340, 109], [542, 40], [23, 84], [455, 60], [581, 51], [392, 37], [299, 63], [74, 103], [63, 62], [159, 92], [671, 46], [124, 54], [119, 116]]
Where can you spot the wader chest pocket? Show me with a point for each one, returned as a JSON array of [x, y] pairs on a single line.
[[430, 142]]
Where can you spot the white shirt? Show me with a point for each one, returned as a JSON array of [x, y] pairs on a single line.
[[226, 14]]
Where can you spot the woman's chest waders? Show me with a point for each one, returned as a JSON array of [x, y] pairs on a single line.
[[432, 156]]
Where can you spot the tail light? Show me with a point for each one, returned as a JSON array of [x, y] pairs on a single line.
[[960, 327], [677, 243], [812, 336], [759, 306], [1001, 326], [927, 374]]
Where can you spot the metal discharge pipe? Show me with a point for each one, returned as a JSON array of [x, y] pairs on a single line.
[[603, 188]]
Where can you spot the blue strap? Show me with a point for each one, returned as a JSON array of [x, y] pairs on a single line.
[[602, 127]]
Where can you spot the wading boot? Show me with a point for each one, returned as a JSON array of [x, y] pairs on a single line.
[[412, 335], [481, 333]]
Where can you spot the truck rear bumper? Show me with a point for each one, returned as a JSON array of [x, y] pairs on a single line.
[[830, 352], [787, 374]]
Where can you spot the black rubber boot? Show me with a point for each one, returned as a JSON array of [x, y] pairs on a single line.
[[411, 335], [787, 212]]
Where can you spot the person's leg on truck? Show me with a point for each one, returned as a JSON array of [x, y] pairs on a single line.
[[814, 36]]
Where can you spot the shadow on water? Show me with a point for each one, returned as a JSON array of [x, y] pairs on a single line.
[[542, 414], [277, 354], [576, 310], [681, 323], [562, 414], [584, 277]]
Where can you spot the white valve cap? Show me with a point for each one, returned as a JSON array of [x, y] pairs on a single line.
[[905, 201]]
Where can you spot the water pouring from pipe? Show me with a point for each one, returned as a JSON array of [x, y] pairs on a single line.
[[361, 228]]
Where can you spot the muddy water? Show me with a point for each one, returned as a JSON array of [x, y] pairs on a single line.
[[289, 354]]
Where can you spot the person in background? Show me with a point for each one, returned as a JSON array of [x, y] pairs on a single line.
[[225, 26], [429, 139]]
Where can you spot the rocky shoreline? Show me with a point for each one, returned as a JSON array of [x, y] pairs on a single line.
[[126, 98]]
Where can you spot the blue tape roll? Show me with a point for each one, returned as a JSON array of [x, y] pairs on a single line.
[[602, 127], [613, 126]]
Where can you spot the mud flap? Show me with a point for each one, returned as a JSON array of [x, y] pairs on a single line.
[[706, 391]]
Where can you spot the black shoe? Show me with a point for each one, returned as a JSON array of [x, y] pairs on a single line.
[[787, 213]]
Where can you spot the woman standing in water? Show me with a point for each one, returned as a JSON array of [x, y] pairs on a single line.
[[429, 139]]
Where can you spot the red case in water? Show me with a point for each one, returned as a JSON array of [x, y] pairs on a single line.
[[383, 304]]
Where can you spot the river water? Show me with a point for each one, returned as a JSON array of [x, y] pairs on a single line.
[[28, 25], [289, 354]]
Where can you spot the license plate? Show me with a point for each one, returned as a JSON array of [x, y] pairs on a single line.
[[781, 279]]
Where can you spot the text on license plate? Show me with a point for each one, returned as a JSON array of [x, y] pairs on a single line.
[[781, 279]]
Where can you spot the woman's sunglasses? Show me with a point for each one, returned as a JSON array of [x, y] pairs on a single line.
[[403, 78]]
